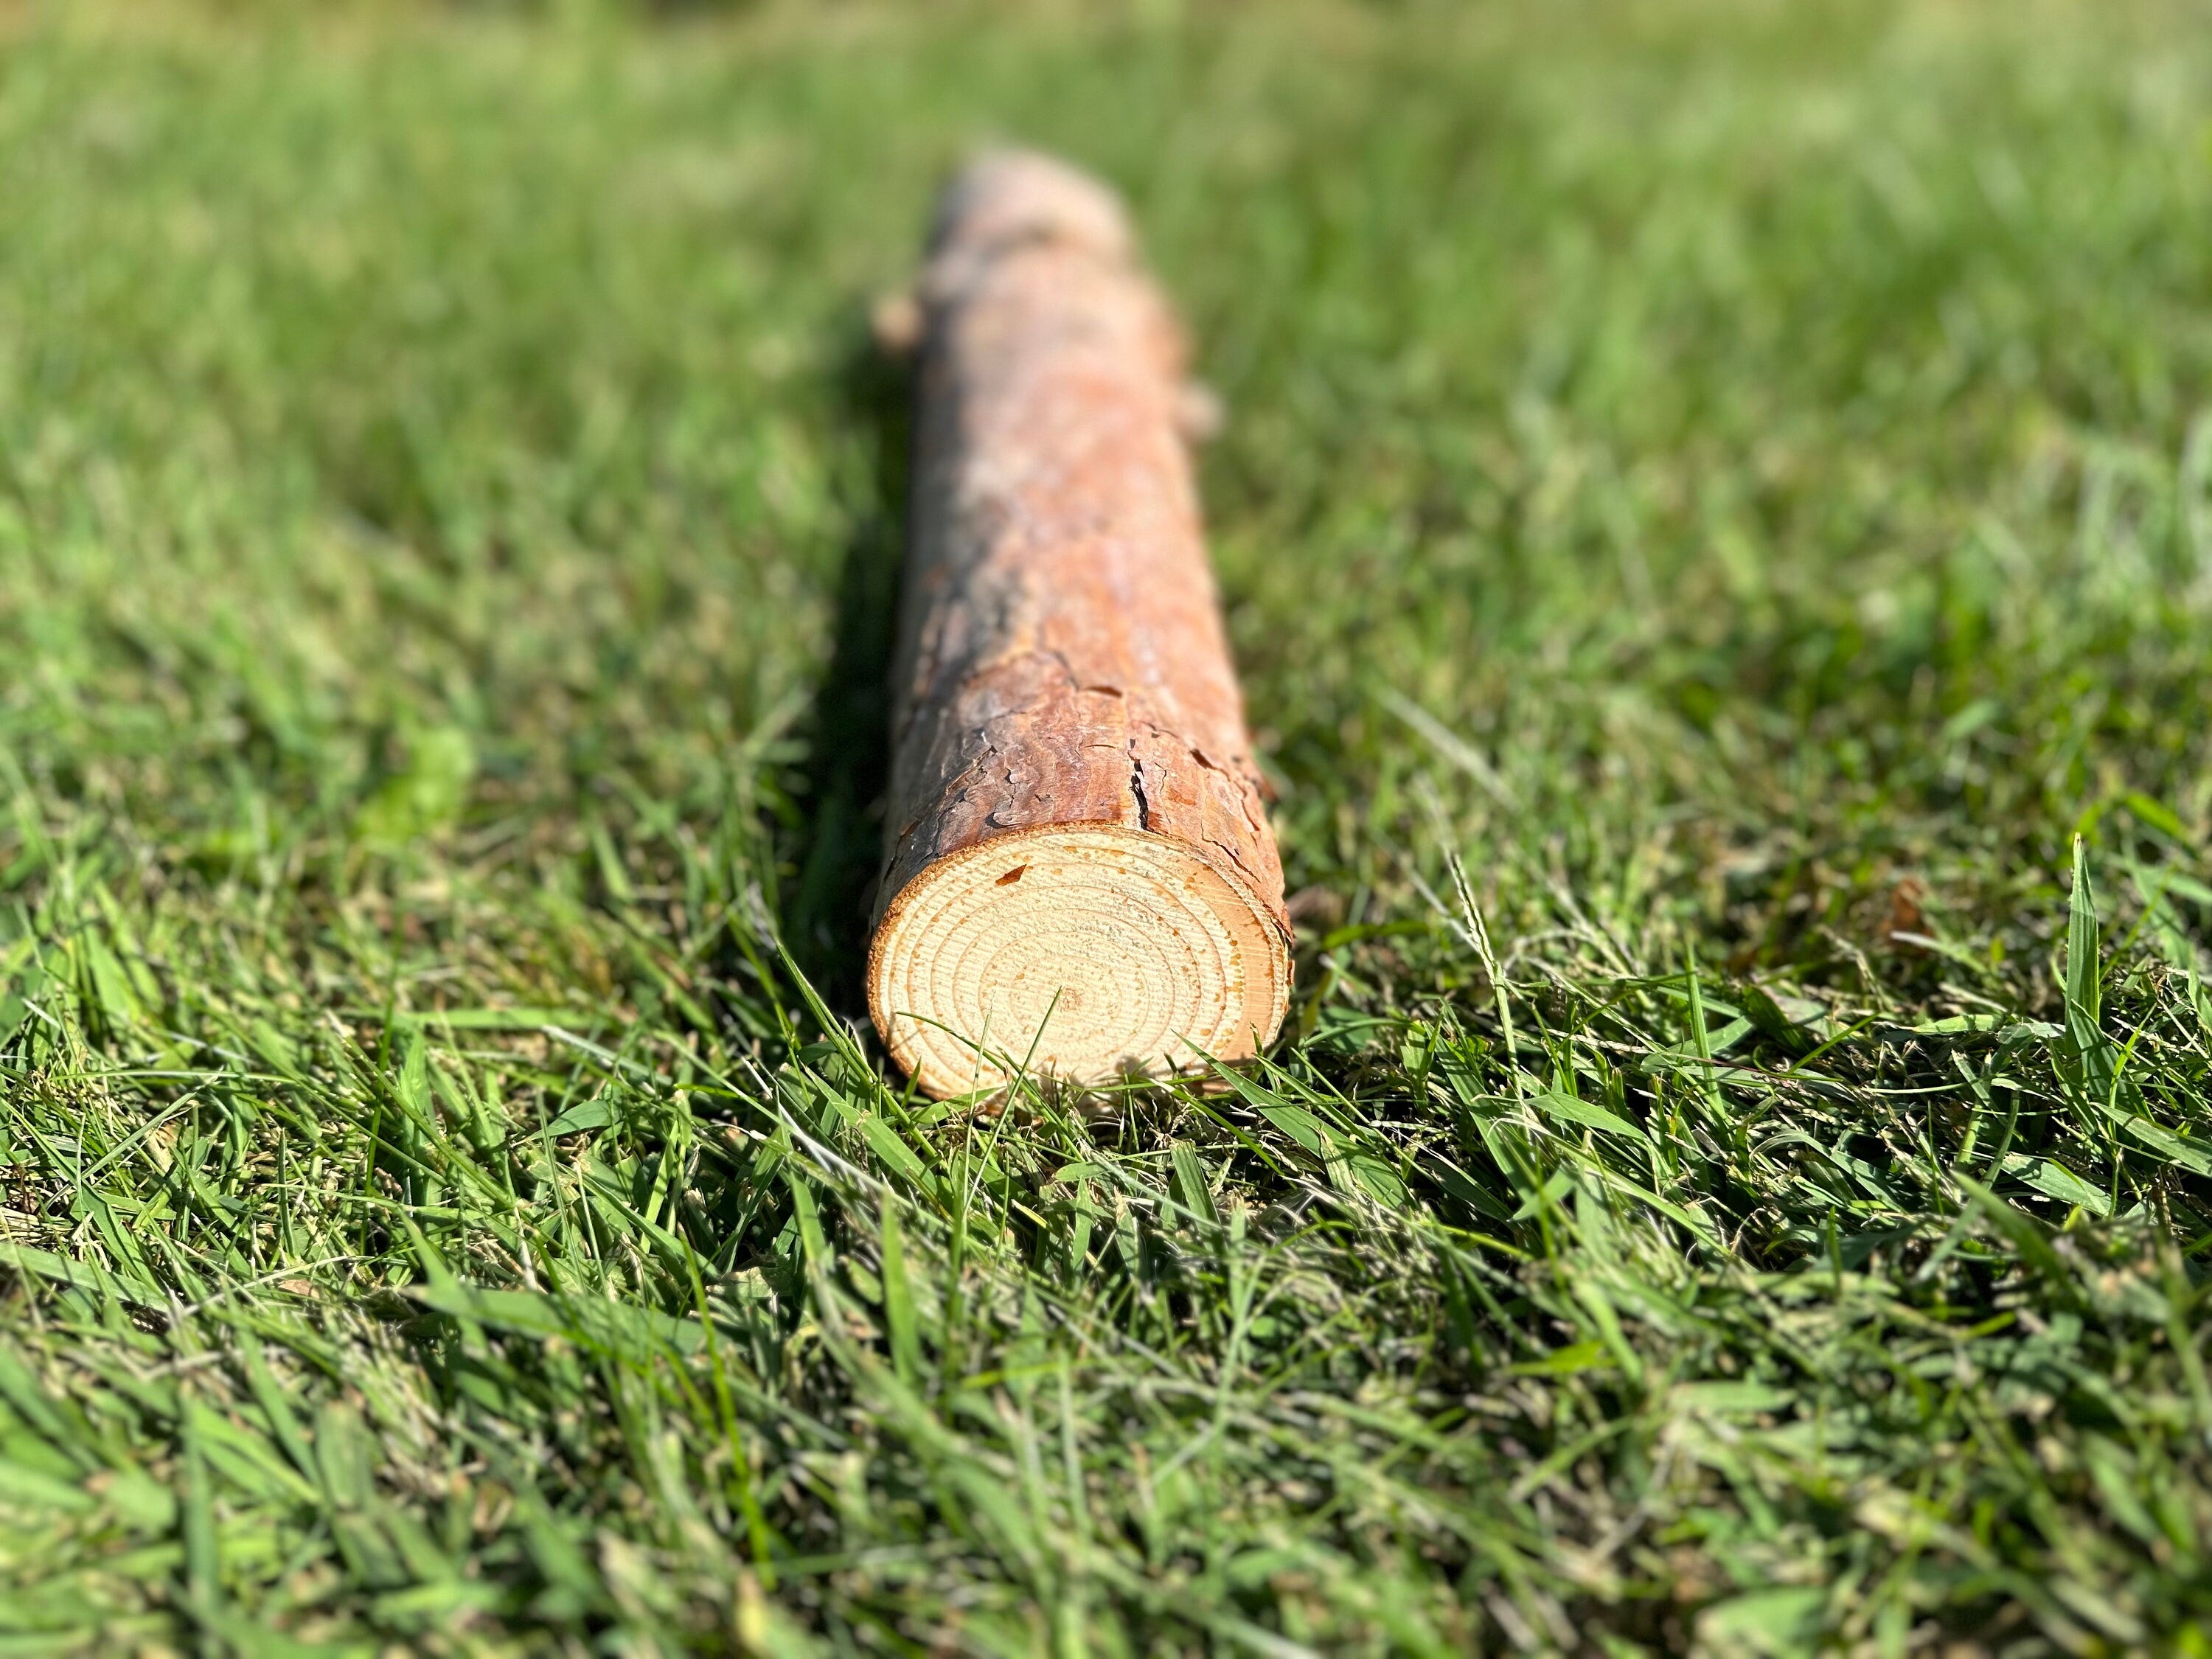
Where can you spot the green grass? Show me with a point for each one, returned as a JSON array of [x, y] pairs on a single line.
[[1717, 499]]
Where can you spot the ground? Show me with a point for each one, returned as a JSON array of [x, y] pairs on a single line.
[[1716, 516]]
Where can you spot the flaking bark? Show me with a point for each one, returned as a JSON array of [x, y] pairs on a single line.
[[1062, 660]]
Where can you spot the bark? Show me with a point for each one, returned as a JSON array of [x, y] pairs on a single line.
[[1064, 700]]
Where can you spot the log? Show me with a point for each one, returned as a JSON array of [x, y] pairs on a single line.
[[1079, 878]]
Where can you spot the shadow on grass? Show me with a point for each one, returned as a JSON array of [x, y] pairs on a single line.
[[848, 764]]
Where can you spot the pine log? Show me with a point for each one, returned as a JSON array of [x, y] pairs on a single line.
[[1079, 878]]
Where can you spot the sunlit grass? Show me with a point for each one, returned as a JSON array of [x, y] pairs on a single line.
[[1716, 500]]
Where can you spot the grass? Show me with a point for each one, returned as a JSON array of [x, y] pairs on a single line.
[[1717, 518]]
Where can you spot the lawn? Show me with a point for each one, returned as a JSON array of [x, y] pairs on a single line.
[[1716, 515]]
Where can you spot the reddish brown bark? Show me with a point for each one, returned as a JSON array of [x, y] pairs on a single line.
[[1062, 660]]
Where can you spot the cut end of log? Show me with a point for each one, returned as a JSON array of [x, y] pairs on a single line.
[[1086, 953]]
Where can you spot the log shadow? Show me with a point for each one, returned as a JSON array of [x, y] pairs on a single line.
[[847, 767]]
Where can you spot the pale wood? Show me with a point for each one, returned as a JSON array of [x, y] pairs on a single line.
[[1079, 874]]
